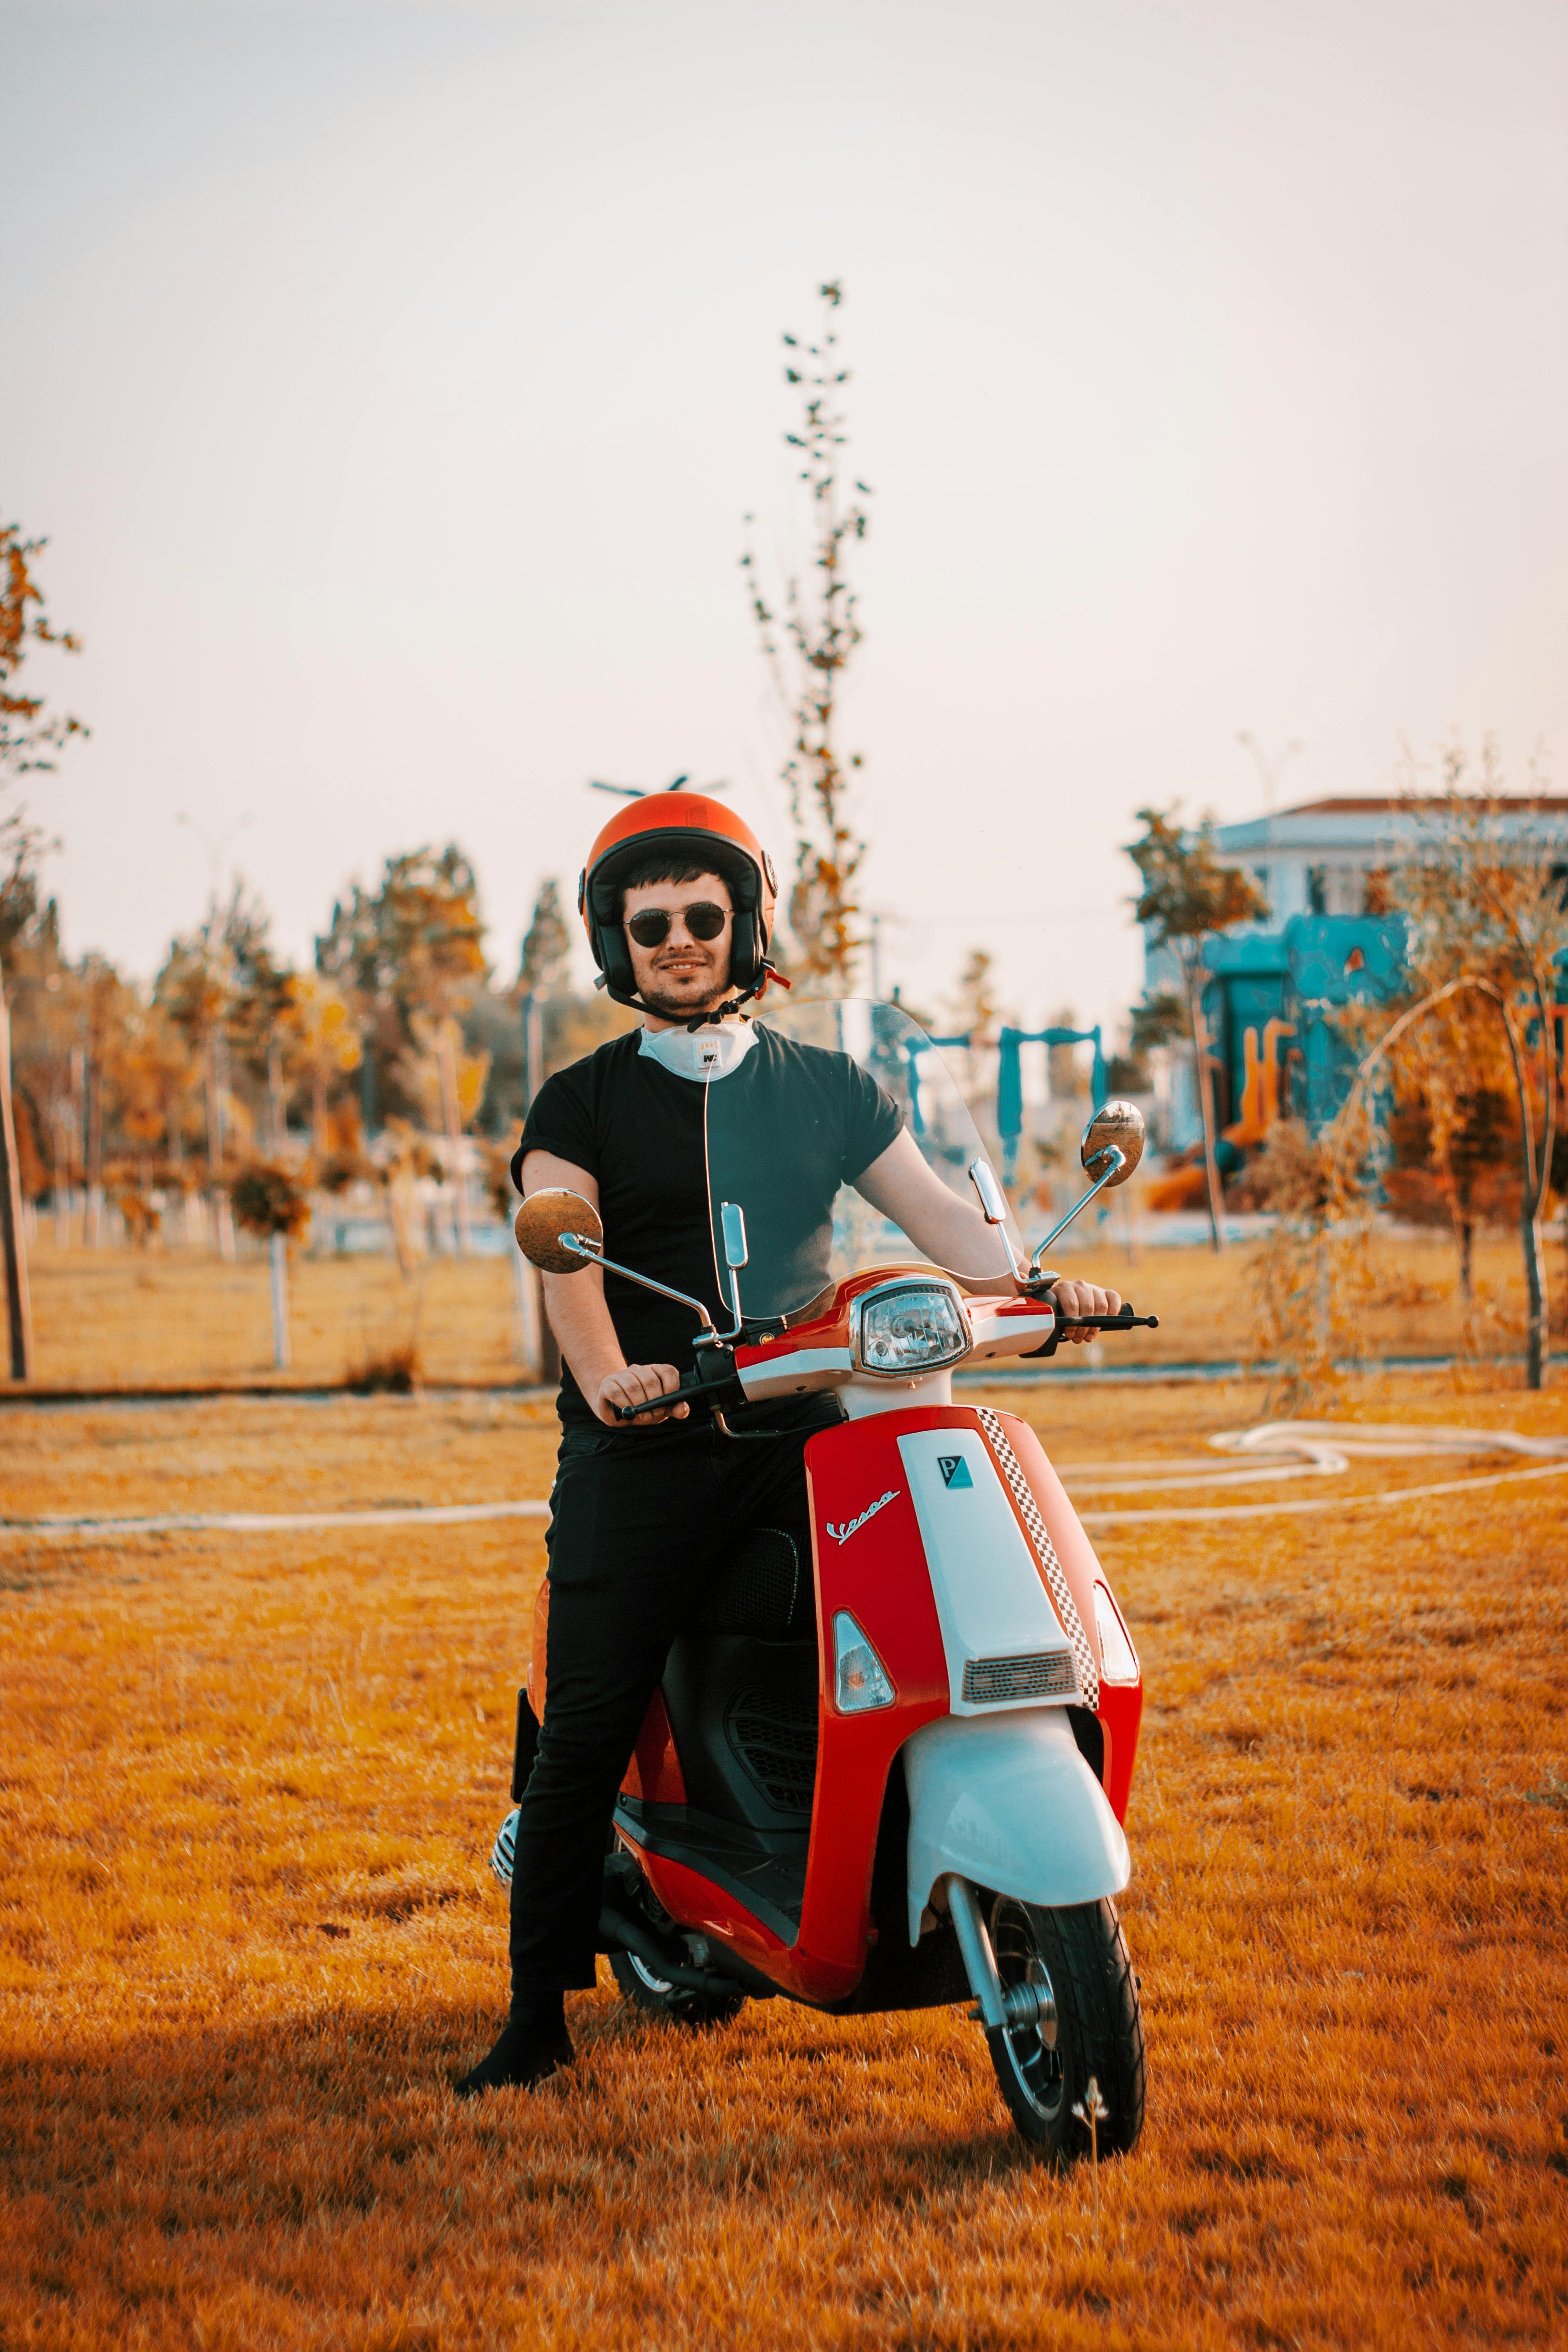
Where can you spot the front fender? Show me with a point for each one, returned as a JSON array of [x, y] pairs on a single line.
[[1009, 1801]]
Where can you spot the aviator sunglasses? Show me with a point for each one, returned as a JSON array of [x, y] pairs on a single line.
[[649, 927]]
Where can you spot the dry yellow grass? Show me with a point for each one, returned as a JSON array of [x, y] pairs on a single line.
[[126, 1318], [245, 1937], [123, 1318]]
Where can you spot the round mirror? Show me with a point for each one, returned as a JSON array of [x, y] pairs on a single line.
[[1114, 1123], [544, 1217]]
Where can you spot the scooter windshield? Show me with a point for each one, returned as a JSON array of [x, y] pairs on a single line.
[[844, 1139]]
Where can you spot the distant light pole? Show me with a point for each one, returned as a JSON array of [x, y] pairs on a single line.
[[1269, 770]]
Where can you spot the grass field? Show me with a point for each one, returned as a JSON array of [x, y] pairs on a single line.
[[128, 1318], [245, 1937]]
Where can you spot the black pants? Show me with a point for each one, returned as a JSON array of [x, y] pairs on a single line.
[[640, 1520]]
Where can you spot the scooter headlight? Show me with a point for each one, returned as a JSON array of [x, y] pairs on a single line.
[[909, 1328], [860, 1678]]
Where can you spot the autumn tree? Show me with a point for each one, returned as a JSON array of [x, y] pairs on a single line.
[[30, 736], [974, 1009], [546, 945], [152, 1068], [254, 1025], [1189, 898], [196, 988], [1480, 885], [319, 1041], [30, 732], [807, 641], [414, 949], [541, 972], [44, 1027]]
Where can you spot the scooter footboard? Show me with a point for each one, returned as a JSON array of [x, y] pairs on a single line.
[[1009, 1801]]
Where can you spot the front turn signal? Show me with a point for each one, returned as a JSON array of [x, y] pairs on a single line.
[[861, 1681]]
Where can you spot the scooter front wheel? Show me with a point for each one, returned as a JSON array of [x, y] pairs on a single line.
[[645, 1989], [1089, 2029]]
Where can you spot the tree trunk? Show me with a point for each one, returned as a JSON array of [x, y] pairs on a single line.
[[319, 1112], [93, 1237], [1535, 1295], [448, 1063], [1466, 1260], [62, 1183], [1206, 1112], [213, 1107], [274, 1115], [281, 1354], [215, 1145], [13, 1245]]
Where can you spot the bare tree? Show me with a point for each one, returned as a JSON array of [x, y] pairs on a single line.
[[807, 645]]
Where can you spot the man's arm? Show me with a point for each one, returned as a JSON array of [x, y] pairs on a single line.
[[581, 1320], [952, 1231]]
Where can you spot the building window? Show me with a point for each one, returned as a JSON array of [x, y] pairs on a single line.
[[1336, 889]]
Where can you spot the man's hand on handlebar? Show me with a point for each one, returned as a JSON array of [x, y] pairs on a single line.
[[639, 1384], [1083, 1299]]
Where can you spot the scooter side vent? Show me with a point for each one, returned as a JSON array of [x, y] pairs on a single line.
[[774, 1733], [1047, 1674]]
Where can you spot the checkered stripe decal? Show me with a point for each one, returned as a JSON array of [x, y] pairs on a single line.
[[1061, 1591]]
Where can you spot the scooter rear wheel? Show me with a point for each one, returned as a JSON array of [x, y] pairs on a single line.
[[646, 1991], [1079, 1958]]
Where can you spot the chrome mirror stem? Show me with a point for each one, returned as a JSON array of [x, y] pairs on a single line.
[[595, 1256], [1117, 1160]]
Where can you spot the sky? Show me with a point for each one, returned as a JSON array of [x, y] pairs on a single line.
[[392, 382]]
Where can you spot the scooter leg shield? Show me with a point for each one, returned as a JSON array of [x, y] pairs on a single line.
[[1007, 1801]]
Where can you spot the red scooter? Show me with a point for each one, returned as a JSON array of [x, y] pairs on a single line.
[[922, 1801]]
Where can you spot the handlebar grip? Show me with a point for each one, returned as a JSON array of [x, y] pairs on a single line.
[[683, 1388], [690, 1386], [1124, 1321]]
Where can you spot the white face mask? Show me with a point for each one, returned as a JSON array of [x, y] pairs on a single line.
[[710, 1054]]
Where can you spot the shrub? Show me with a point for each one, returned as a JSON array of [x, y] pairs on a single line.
[[267, 1199]]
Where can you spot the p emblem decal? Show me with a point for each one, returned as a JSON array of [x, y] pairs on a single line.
[[954, 1470]]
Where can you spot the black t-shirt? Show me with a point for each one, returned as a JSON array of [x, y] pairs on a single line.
[[640, 1133]]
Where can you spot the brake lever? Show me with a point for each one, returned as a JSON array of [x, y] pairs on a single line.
[[1123, 1321]]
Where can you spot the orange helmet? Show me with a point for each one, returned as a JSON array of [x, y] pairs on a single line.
[[694, 831]]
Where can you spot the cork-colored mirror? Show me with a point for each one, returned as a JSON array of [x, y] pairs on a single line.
[[543, 1221]]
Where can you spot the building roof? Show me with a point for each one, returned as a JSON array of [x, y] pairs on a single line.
[[1552, 803], [1361, 825]]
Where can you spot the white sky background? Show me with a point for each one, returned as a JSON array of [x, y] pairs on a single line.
[[391, 382]]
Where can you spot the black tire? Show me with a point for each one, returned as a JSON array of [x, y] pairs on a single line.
[[647, 1990], [1045, 2072]]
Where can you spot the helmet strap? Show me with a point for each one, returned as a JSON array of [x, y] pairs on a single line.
[[722, 1011]]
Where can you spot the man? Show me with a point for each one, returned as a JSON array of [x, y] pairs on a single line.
[[678, 899]]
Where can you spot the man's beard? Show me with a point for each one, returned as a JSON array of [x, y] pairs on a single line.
[[685, 1008]]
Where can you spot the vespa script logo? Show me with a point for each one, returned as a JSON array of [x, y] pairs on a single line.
[[852, 1527]]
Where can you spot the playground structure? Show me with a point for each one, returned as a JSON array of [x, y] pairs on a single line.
[[1009, 1107]]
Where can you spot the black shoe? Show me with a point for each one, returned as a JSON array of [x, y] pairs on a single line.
[[521, 2059]]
